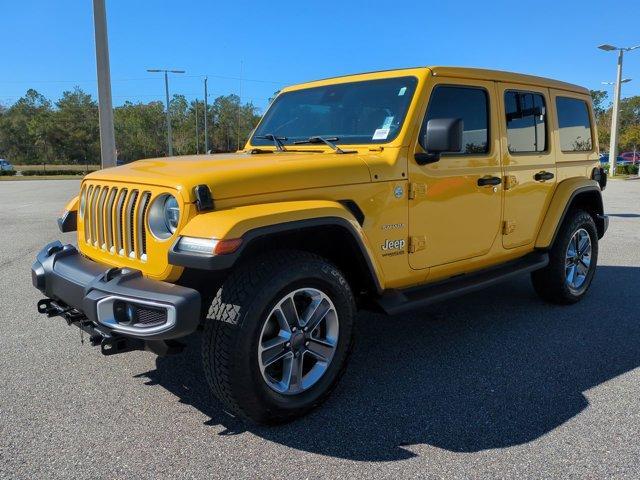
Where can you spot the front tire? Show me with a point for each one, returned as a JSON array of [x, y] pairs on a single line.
[[278, 335], [572, 261]]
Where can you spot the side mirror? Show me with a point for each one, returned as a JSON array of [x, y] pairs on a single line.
[[441, 135]]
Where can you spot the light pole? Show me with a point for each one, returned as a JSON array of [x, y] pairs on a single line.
[[105, 107], [206, 114], [166, 92], [197, 142], [613, 146], [624, 80]]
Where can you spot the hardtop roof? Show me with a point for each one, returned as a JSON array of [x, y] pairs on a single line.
[[460, 72]]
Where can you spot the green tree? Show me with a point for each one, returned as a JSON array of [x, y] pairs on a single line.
[[140, 130], [24, 129], [599, 98], [233, 123], [75, 132]]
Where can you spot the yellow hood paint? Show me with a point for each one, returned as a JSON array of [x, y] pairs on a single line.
[[242, 174]]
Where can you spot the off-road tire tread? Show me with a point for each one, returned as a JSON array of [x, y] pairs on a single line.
[[549, 282], [221, 332]]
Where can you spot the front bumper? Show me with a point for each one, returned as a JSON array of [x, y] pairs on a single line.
[[112, 302]]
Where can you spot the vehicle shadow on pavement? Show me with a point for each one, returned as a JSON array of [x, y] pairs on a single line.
[[489, 370]]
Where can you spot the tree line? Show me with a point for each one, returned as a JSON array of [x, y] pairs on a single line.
[[36, 130], [628, 121]]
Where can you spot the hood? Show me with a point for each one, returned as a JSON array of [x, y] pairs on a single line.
[[242, 174]]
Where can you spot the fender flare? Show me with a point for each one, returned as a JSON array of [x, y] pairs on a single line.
[[564, 196], [292, 217], [68, 221]]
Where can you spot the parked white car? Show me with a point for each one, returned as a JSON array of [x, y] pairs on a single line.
[[4, 165]]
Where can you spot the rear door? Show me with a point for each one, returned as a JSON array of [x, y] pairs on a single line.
[[528, 160], [454, 212]]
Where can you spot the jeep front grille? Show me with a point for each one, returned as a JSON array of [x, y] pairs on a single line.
[[115, 219]]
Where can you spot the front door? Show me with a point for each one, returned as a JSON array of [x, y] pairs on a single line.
[[528, 160], [456, 205]]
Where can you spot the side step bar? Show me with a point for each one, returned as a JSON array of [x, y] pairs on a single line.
[[397, 301]]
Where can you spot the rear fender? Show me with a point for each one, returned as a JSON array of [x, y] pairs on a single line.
[[567, 193]]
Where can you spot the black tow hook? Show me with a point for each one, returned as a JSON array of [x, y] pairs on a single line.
[[52, 309], [115, 345]]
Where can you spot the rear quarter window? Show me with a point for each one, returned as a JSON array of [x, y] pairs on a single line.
[[574, 125]]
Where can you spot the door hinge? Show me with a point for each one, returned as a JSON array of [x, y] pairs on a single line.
[[417, 190], [417, 243], [508, 226], [510, 181]]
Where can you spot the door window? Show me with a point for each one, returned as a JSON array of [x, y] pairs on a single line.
[[526, 122], [468, 103]]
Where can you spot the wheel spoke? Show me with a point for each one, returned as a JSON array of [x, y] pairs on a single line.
[[320, 349], [273, 350], [584, 244], [288, 308], [571, 274], [581, 268], [315, 313], [292, 375], [283, 323]]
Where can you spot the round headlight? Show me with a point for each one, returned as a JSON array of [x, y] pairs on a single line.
[[164, 216], [171, 213]]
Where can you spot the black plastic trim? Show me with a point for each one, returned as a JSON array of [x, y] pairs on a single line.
[[204, 200], [574, 194], [63, 275], [355, 210], [224, 262], [397, 301], [68, 222]]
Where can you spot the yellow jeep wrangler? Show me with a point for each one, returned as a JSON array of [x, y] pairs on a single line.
[[387, 190]]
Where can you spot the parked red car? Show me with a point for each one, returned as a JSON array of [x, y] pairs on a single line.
[[631, 157]]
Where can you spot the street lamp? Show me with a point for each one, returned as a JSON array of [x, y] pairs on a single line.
[[613, 147], [624, 80], [166, 91]]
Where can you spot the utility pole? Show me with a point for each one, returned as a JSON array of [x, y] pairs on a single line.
[[206, 114], [239, 109], [197, 151], [166, 92], [613, 146], [105, 107]]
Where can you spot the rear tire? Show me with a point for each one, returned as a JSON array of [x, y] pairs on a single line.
[[246, 317], [572, 261]]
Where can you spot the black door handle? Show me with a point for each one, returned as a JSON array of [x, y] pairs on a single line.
[[542, 176], [484, 181]]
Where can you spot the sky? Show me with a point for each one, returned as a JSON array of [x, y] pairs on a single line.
[[254, 48]]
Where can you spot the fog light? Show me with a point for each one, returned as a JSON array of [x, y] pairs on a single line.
[[123, 312]]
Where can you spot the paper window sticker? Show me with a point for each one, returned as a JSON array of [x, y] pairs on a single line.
[[380, 134], [402, 91]]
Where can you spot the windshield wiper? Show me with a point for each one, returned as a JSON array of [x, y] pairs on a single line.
[[277, 141], [327, 141]]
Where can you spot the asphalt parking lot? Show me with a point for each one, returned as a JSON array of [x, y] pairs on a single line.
[[495, 384]]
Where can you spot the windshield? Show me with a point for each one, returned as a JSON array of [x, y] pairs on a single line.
[[348, 113]]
